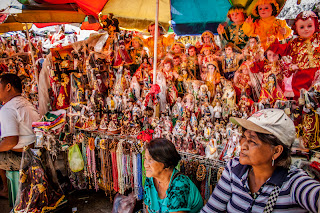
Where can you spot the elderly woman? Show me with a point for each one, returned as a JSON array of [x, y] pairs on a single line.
[[166, 190], [261, 179]]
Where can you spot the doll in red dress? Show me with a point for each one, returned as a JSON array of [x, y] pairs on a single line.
[[242, 82], [270, 65], [304, 50]]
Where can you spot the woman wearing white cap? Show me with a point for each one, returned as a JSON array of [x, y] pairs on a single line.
[[261, 179]]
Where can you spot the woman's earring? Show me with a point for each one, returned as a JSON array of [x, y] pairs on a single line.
[[272, 164]]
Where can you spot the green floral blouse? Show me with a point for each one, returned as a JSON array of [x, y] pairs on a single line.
[[182, 195]]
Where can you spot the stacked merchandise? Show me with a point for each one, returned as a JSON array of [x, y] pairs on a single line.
[[114, 104]]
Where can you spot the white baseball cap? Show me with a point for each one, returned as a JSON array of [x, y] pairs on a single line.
[[270, 121]]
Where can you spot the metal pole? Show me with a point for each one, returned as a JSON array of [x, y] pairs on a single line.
[[32, 56], [156, 30]]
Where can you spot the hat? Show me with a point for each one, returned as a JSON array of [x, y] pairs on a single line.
[[270, 121]]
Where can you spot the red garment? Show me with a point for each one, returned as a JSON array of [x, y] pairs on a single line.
[[267, 68], [276, 94], [305, 54], [302, 79], [121, 57]]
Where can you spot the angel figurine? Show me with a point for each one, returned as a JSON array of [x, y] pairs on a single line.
[[135, 86], [229, 95], [211, 149]]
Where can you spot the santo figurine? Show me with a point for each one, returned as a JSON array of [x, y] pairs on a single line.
[[234, 33], [304, 50], [267, 26]]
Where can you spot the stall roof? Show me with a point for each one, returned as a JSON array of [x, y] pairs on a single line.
[[186, 16]]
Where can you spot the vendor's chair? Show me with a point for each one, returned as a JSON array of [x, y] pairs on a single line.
[[13, 186]]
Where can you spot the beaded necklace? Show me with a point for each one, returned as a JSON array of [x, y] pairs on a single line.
[[208, 178], [103, 168], [93, 159], [114, 165], [84, 156], [109, 169], [119, 154], [135, 174], [89, 166], [139, 171]]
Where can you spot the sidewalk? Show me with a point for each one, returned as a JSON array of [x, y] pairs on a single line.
[[84, 201]]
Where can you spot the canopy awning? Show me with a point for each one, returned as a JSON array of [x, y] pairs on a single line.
[[138, 14], [186, 17], [8, 27]]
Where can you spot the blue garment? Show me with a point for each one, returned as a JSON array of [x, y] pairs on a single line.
[[182, 195], [298, 193]]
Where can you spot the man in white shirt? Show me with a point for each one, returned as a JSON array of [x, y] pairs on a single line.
[[16, 117]]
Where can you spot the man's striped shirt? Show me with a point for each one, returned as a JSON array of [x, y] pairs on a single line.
[[299, 192]]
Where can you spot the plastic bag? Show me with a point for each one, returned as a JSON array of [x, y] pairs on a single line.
[[101, 42], [124, 204], [75, 159]]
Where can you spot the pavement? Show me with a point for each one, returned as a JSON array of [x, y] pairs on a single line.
[[81, 201]]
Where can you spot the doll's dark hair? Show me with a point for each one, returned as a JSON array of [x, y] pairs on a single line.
[[192, 47], [274, 10]]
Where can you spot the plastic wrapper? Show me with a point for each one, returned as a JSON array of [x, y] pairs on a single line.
[[75, 159], [39, 190], [124, 204], [77, 96], [161, 81], [100, 44]]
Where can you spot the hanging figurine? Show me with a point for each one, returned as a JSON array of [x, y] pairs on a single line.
[[253, 50], [207, 39]]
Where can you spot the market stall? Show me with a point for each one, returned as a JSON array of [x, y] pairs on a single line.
[[101, 101]]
